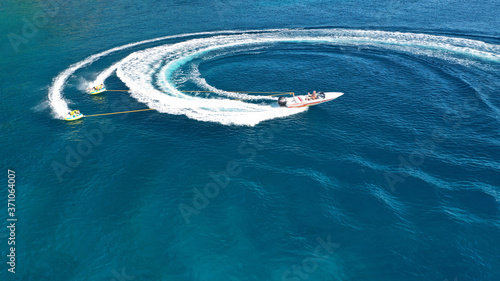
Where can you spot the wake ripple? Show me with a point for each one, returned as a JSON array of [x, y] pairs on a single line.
[[150, 73]]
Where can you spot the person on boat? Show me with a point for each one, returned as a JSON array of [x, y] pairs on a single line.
[[311, 97]]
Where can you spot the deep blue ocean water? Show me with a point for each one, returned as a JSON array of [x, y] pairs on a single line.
[[398, 179]]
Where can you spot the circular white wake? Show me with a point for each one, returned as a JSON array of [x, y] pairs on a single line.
[[149, 73]]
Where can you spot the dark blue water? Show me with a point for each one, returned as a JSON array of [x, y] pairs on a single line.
[[398, 179]]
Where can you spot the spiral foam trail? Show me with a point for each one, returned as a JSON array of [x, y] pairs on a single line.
[[57, 102], [149, 73]]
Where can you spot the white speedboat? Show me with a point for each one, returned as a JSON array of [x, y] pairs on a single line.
[[308, 100]]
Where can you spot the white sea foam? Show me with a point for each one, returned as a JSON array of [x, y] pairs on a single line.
[[135, 72], [153, 74], [60, 105]]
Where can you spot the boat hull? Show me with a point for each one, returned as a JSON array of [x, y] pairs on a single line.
[[71, 118], [301, 101], [98, 92]]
